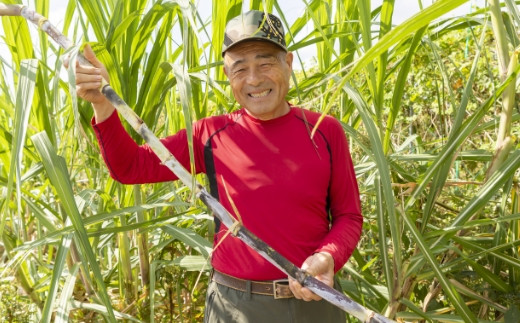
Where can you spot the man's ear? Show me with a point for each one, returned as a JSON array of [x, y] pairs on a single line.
[[289, 59], [224, 67]]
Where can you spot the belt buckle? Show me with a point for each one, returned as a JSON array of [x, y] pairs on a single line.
[[281, 282]]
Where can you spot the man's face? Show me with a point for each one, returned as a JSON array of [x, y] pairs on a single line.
[[259, 74]]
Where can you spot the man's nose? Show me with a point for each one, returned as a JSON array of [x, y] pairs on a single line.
[[254, 77]]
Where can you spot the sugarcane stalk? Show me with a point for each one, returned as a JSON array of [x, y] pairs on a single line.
[[507, 65], [125, 265], [326, 292], [142, 243], [504, 143]]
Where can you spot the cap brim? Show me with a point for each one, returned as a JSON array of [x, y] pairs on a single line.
[[263, 39]]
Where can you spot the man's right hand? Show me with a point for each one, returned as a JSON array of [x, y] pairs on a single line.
[[88, 84]]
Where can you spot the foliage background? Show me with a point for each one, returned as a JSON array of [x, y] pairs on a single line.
[[429, 107]]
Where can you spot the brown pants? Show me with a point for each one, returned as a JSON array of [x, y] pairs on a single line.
[[228, 305]]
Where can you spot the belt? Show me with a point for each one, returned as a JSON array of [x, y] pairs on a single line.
[[276, 288]]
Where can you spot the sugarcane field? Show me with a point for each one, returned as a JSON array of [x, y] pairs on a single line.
[[259, 161]]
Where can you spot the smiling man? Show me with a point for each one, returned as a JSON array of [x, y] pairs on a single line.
[[258, 73], [295, 192]]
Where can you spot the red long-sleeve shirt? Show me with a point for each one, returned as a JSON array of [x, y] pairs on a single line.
[[284, 184]]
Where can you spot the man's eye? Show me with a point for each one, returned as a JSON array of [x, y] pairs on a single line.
[[240, 70]]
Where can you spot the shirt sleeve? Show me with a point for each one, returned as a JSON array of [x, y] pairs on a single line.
[[345, 206], [129, 163]]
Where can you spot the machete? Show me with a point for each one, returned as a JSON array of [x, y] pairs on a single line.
[[237, 229]]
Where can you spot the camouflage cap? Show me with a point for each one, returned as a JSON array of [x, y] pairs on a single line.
[[254, 25]]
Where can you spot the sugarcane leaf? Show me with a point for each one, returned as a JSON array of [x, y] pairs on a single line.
[[190, 238], [59, 265], [147, 26], [58, 175], [495, 182], [512, 315], [403, 30], [69, 14], [449, 290], [489, 277], [513, 10], [184, 88], [399, 87], [455, 141], [440, 177], [43, 95], [368, 287], [112, 68], [415, 309], [40, 214], [383, 171], [115, 34], [473, 294], [498, 253], [102, 310], [95, 11], [192, 263], [148, 96], [380, 211], [24, 101], [53, 236], [433, 317], [72, 53], [62, 310], [18, 39]]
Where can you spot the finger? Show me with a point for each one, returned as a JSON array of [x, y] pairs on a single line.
[[308, 295], [86, 87], [295, 288], [301, 292], [82, 69], [88, 78]]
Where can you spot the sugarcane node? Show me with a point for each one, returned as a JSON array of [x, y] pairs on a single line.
[[144, 134], [235, 228], [301, 276], [42, 21], [112, 96], [371, 318], [375, 317]]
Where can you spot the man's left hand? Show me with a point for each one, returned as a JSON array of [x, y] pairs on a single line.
[[321, 266]]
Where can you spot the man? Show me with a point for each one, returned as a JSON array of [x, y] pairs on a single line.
[[298, 194]]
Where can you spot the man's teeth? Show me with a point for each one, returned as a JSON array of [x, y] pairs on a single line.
[[259, 95]]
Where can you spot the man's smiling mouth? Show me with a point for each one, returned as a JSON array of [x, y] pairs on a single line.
[[260, 94]]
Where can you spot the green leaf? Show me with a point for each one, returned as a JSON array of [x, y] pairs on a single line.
[[402, 31], [59, 177], [63, 310], [59, 265], [512, 315], [192, 263], [24, 100], [489, 277], [383, 171], [98, 308], [190, 238], [455, 298]]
